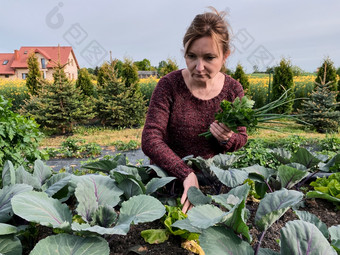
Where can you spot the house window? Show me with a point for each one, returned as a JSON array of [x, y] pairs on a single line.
[[24, 76], [43, 63], [6, 75], [5, 62]]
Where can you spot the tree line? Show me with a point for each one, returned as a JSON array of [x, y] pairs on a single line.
[[115, 99]]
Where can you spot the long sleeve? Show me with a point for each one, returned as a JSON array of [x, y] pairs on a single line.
[[176, 118], [154, 136]]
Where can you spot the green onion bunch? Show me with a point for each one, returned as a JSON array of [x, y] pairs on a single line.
[[240, 113]]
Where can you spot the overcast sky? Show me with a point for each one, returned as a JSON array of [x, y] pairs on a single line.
[[264, 31]]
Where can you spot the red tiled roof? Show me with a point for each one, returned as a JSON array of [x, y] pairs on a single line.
[[6, 69], [50, 53]]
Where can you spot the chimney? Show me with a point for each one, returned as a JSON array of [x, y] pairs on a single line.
[[16, 54]]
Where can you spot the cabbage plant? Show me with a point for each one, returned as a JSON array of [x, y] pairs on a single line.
[[39, 196]]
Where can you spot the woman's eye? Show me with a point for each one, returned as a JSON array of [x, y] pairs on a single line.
[[191, 56], [209, 58]]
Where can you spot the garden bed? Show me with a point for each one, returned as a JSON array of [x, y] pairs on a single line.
[[133, 243]]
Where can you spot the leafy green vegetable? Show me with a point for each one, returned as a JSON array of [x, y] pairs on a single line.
[[240, 113], [174, 214], [326, 188]]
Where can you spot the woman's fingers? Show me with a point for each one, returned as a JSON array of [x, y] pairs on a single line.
[[220, 131]]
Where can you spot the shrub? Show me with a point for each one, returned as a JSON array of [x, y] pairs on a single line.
[[240, 76], [33, 76], [84, 83], [320, 109], [327, 73], [15, 91], [59, 106], [19, 137], [119, 104], [147, 87], [129, 72], [283, 80]]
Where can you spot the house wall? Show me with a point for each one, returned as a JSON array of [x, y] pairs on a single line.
[[10, 77], [70, 69]]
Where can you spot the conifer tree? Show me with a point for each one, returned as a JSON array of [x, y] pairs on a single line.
[[84, 83], [241, 77], [320, 109], [59, 105], [33, 76], [330, 77], [103, 73], [119, 105], [282, 81], [129, 72]]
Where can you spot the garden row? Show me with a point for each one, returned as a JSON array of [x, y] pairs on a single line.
[[43, 212]]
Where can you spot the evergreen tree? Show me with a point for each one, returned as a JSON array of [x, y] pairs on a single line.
[[320, 109], [120, 105], [33, 76], [103, 73], [59, 105], [282, 81], [84, 83], [328, 67], [241, 77], [129, 73], [167, 67]]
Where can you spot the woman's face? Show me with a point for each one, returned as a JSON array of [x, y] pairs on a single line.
[[204, 59]]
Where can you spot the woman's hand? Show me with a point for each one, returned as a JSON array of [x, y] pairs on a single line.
[[220, 131], [190, 181]]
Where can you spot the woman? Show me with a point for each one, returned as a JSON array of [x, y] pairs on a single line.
[[184, 103]]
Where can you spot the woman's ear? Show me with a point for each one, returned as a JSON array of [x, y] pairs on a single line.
[[226, 55]]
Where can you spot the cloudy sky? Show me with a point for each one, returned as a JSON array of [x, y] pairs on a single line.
[[264, 31]]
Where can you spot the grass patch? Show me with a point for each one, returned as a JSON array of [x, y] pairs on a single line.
[[112, 137], [100, 136]]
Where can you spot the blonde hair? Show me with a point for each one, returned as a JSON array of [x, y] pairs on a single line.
[[212, 24]]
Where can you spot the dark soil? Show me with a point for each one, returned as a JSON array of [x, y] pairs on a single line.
[[133, 243]]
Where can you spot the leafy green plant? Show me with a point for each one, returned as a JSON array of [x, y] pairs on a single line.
[[283, 83], [327, 188], [256, 151], [40, 198], [123, 146], [73, 147], [240, 113], [220, 227], [173, 214], [19, 137]]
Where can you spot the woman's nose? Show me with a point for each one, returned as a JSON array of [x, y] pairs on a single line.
[[199, 65]]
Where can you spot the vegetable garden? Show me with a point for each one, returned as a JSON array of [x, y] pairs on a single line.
[[267, 198], [43, 211]]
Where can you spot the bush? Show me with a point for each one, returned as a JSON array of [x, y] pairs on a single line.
[[328, 68], [147, 87], [19, 137], [320, 109], [84, 83], [59, 106], [241, 77], [283, 80], [14, 90], [119, 104]]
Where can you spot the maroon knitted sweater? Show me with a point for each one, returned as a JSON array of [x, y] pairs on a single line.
[[175, 119]]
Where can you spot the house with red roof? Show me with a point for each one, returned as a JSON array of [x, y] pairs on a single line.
[[14, 65]]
